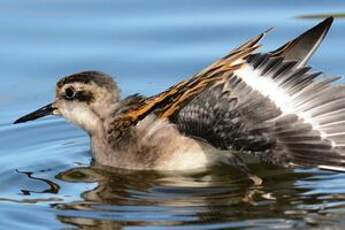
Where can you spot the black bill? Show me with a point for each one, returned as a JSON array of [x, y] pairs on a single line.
[[41, 112]]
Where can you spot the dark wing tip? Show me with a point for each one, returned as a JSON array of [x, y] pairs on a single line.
[[323, 26], [328, 21], [303, 47]]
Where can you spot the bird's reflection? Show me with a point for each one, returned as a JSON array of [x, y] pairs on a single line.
[[126, 187], [123, 197]]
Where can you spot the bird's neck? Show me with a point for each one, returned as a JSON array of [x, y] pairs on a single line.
[[99, 144], [109, 135]]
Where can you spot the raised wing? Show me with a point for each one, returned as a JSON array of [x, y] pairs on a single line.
[[171, 101], [273, 108]]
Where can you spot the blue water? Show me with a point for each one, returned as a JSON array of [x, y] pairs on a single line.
[[46, 181]]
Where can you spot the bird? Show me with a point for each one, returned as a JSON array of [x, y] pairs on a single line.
[[271, 106]]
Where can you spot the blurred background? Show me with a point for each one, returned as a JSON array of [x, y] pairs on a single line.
[[45, 178]]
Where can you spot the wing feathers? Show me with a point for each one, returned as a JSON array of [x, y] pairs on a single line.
[[275, 109], [311, 127]]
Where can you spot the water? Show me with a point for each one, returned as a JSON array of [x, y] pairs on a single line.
[[46, 178]]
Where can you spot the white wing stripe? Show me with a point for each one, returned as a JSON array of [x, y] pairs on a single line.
[[296, 91]]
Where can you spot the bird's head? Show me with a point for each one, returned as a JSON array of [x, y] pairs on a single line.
[[84, 98]]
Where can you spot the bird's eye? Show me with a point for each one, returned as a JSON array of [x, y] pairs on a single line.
[[70, 93]]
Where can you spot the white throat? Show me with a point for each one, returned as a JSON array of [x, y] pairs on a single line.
[[83, 117]]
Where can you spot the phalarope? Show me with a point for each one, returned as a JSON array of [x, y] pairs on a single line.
[[270, 105]]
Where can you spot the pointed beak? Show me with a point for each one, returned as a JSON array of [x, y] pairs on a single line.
[[41, 112]]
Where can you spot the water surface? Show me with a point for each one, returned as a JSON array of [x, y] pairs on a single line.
[[47, 181]]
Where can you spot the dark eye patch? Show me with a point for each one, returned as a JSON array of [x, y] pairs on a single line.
[[84, 96]]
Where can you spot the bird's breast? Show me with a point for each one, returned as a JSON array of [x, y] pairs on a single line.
[[158, 145]]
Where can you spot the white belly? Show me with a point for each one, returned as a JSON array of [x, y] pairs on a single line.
[[190, 155]]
